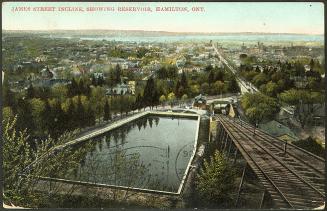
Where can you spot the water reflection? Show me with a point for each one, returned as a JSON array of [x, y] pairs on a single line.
[[140, 154]]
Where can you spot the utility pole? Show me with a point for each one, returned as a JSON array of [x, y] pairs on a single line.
[[285, 147]]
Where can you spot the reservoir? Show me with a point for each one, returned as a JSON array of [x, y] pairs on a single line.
[[152, 152]]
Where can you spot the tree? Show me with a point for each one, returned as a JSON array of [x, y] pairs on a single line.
[[233, 86], [171, 98], [215, 181], [178, 89], [162, 99], [312, 64], [139, 102], [260, 79], [150, 95], [271, 89], [117, 74], [111, 79], [96, 100], [256, 114], [306, 103], [299, 69], [184, 97], [172, 72], [184, 82], [94, 81], [46, 117], [162, 73], [243, 56], [80, 113], [107, 115], [7, 94], [208, 68], [56, 119], [205, 88], [219, 75], [155, 98], [16, 156], [218, 87], [73, 88], [30, 92], [84, 86], [37, 108], [59, 91], [7, 113], [195, 90], [24, 111], [24, 164], [259, 107], [310, 145], [69, 115], [211, 77]]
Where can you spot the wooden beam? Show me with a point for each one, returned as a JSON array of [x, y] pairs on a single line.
[[240, 186]]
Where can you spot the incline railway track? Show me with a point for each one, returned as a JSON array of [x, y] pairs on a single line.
[[295, 179]]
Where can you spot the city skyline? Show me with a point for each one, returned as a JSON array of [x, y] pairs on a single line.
[[217, 17]]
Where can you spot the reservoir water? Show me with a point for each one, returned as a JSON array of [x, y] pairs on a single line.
[[151, 153]]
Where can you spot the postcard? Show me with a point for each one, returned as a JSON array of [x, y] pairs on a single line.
[[190, 105]]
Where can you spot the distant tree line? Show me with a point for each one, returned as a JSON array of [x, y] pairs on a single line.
[[51, 111]]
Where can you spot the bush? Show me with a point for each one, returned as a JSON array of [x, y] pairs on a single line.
[[310, 145], [215, 181]]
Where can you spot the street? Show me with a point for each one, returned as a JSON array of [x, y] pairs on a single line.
[[245, 86]]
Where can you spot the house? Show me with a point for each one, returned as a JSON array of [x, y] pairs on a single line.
[[98, 75], [200, 101], [120, 89]]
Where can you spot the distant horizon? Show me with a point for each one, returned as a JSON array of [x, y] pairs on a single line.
[[159, 31]]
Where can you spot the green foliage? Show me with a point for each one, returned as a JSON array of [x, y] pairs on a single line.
[[162, 99], [233, 86], [215, 182], [184, 97], [205, 88], [171, 98], [151, 95], [7, 94], [271, 89], [167, 72], [97, 99], [117, 76], [211, 77], [82, 86], [310, 145], [258, 106], [304, 101], [23, 164], [218, 87], [107, 115], [16, 154], [37, 109], [260, 79], [59, 91], [24, 110], [7, 113], [30, 92]]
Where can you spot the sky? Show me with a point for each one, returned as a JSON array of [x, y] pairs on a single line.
[[272, 17]]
